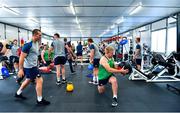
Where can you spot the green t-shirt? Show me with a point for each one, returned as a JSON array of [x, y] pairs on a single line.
[[46, 56], [103, 73]]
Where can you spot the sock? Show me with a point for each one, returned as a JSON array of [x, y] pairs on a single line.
[[19, 92], [115, 96], [39, 98], [58, 79], [63, 77], [16, 70], [97, 78], [94, 78]]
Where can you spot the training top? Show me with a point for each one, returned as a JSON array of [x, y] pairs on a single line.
[[58, 46], [97, 54], [79, 48], [14, 50], [32, 50], [103, 73], [138, 46]]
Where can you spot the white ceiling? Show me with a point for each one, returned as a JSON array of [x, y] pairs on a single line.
[[95, 16]]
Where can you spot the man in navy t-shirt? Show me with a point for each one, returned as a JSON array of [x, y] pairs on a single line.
[[79, 49], [28, 67]]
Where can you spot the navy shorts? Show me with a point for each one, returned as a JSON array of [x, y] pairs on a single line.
[[14, 59], [60, 60], [96, 63], [32, 73], [138, 61], [47, 63], [78, 54], [104, 81]]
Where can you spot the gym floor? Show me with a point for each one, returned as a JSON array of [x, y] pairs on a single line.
[[133, 96]]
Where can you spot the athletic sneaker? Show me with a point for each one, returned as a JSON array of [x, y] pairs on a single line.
[[43, 102], [91, 82], [20, 96], [63, 81], [73, 72], [58, 83], [95, 83], [114, 102]]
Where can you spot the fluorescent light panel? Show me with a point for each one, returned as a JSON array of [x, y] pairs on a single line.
[[33, 19], [77, 21], [10, 10], [72, 8], [120, 20], [137, 9]]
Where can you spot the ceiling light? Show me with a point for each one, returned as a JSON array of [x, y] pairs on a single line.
[[138, 8], [10, 10], [77, 21], [113, 26], [33, 19], [72, 8], [120, 20]]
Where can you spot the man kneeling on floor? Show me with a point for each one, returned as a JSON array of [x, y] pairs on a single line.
[[105, 74], [28, 67]]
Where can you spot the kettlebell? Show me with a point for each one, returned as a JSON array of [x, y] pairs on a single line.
[[69, 87]]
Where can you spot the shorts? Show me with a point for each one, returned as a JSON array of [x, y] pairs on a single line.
[[60, 60], [96, 63], [48, 63], [104, 81], [14, 59], [39, 58], [31, 73], [138, 61], [78, 54]]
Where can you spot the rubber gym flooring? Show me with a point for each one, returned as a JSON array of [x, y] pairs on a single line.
[[133, 96]]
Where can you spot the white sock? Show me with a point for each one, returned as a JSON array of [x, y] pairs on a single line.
[[97, 78], [94, 78], [58, 79], [16, 70], [19, 92], [63, 77], [39, 98], [115, 96]]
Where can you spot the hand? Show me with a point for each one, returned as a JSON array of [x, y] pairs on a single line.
[[91, 61], [124, 71], [44, 62], [20, 73]]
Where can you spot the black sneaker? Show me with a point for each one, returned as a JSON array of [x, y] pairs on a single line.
[[18, 82], [63, 81], [73, 72], [114, 102], [20, 96], [58, 83], [43, 102]]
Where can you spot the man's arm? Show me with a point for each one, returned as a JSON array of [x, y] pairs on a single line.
[[42, 56], [105, 64]]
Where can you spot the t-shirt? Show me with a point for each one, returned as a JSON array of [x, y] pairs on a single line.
[[138, 46], [32, 50], [14, 50], [58, 46], [97, 54], [79, 48]]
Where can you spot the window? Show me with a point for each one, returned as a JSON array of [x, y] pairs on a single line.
[[11, 33], [23, 35], [171, 40], [2, 32], [158, 41]]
